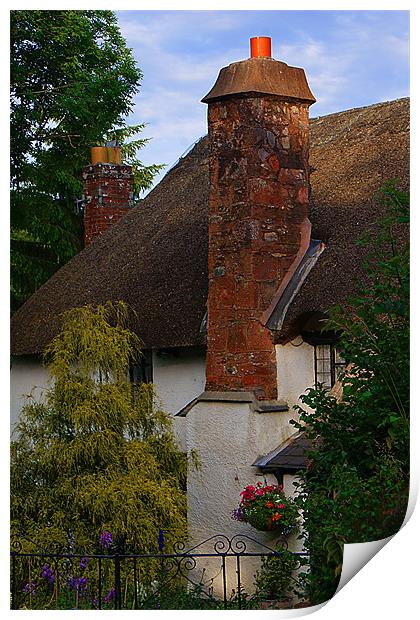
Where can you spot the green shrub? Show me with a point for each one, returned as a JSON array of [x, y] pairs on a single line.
[[275, 579]]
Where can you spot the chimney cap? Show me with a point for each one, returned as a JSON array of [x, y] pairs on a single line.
[[261, 76]]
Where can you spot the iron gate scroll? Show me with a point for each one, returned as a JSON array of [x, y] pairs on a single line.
[[213, 570]]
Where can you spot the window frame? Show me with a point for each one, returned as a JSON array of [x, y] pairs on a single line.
[[335, 366], [141, 371]]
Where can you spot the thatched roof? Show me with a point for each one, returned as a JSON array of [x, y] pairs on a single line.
[[353, 152], [155, 258]]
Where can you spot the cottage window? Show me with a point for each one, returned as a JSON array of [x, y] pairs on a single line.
[[328, 364], [142, 370]]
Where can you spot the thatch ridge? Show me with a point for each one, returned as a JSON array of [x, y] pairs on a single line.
[[155, 258]]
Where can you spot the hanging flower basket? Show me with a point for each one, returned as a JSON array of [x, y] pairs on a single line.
[[267, 508]]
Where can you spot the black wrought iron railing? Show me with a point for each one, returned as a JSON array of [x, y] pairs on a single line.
[[217, 573]]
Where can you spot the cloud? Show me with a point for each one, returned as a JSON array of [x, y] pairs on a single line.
[[177, 75], [351, 58]]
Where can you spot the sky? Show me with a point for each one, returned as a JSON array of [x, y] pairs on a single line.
[[351, 59]]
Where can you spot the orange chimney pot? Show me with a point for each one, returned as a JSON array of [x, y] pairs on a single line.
[[260, 47], [98, 155]]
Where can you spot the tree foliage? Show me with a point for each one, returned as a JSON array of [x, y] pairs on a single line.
[[73, 79], [356, 487], [92, 455]]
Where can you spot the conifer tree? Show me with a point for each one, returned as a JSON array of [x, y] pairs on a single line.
[[92, 455]]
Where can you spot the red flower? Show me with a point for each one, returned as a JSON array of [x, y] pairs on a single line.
[[269, 487]]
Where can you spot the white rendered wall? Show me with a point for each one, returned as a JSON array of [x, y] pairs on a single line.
[[179, 378], [295, 374], [229, 436], [295, 371], [28, 376]]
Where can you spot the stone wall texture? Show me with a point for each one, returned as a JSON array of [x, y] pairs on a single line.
[[259, 186], [108, 193]]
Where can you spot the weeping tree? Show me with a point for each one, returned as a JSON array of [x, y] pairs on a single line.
[[93, 456]]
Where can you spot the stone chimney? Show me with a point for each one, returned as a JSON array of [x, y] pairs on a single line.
[[258, 127], [108, 190]]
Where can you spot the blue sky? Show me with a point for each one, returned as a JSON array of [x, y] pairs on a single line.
[[351, 59]]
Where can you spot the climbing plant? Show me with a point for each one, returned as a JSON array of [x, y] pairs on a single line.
[[356, 486]]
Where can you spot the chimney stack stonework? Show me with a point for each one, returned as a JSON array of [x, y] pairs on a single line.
[[108, 190], [258, 126]]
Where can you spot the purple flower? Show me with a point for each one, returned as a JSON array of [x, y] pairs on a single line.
[[82, 583], [106, 539], [30, 588], [238, 514], [83, 563], [79, 583], [47, 573], [110, 595]]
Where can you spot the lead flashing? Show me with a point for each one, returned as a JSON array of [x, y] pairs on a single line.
[[235, 397]]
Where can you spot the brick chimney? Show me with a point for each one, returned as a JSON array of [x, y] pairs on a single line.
[[258, 126], [108, 190]]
